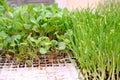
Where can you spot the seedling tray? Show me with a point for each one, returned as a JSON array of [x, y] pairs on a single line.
[[59, 67]]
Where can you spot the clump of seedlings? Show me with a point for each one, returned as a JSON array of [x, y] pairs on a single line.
[[94, 39], [29, 31]]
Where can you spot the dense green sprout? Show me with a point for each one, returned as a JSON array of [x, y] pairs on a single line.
[[95, 41], [29, 29]]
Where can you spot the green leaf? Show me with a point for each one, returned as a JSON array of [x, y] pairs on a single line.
[[55, 7], [48, 14], [32, 39], [10, 14], [16, 42], [35, 28], [44, 41], [32, 54], [39, 18], [44, 25], [65, 11], [12, 51], [61, 46], [54, 43], [9, 27], [43, 51], [29, 62], [13, 43], [1, 46], [67, 41], [17, 37], [24, 43], [3, 34], [36, 9], [19, 25], [47, 43], [33, 21], [33, 44], [8, 39], [27, 26]]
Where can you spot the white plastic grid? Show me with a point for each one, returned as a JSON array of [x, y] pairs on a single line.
[[60, 71]]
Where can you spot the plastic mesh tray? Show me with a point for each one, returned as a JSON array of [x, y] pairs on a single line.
[[59, 68]]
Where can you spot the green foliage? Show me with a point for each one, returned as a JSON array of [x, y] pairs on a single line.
[[3, 7], [30, 29], [43, 51], [93, 36], [94, 39], [61, 46]]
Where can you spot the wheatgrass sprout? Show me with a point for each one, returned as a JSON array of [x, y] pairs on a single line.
[[95, 42]]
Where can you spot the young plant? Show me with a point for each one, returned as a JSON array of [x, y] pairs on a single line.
[[94, 42]]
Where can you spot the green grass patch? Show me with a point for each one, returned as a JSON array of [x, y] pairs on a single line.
[[95, 41]]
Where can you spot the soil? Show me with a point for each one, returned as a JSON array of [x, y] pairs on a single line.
[[43, 61]]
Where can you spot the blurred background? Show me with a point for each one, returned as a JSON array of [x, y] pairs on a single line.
[[70, 4]]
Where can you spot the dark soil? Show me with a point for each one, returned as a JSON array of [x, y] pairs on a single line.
[[45, 60]]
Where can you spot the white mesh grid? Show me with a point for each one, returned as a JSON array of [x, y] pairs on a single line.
[[64, 70]]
